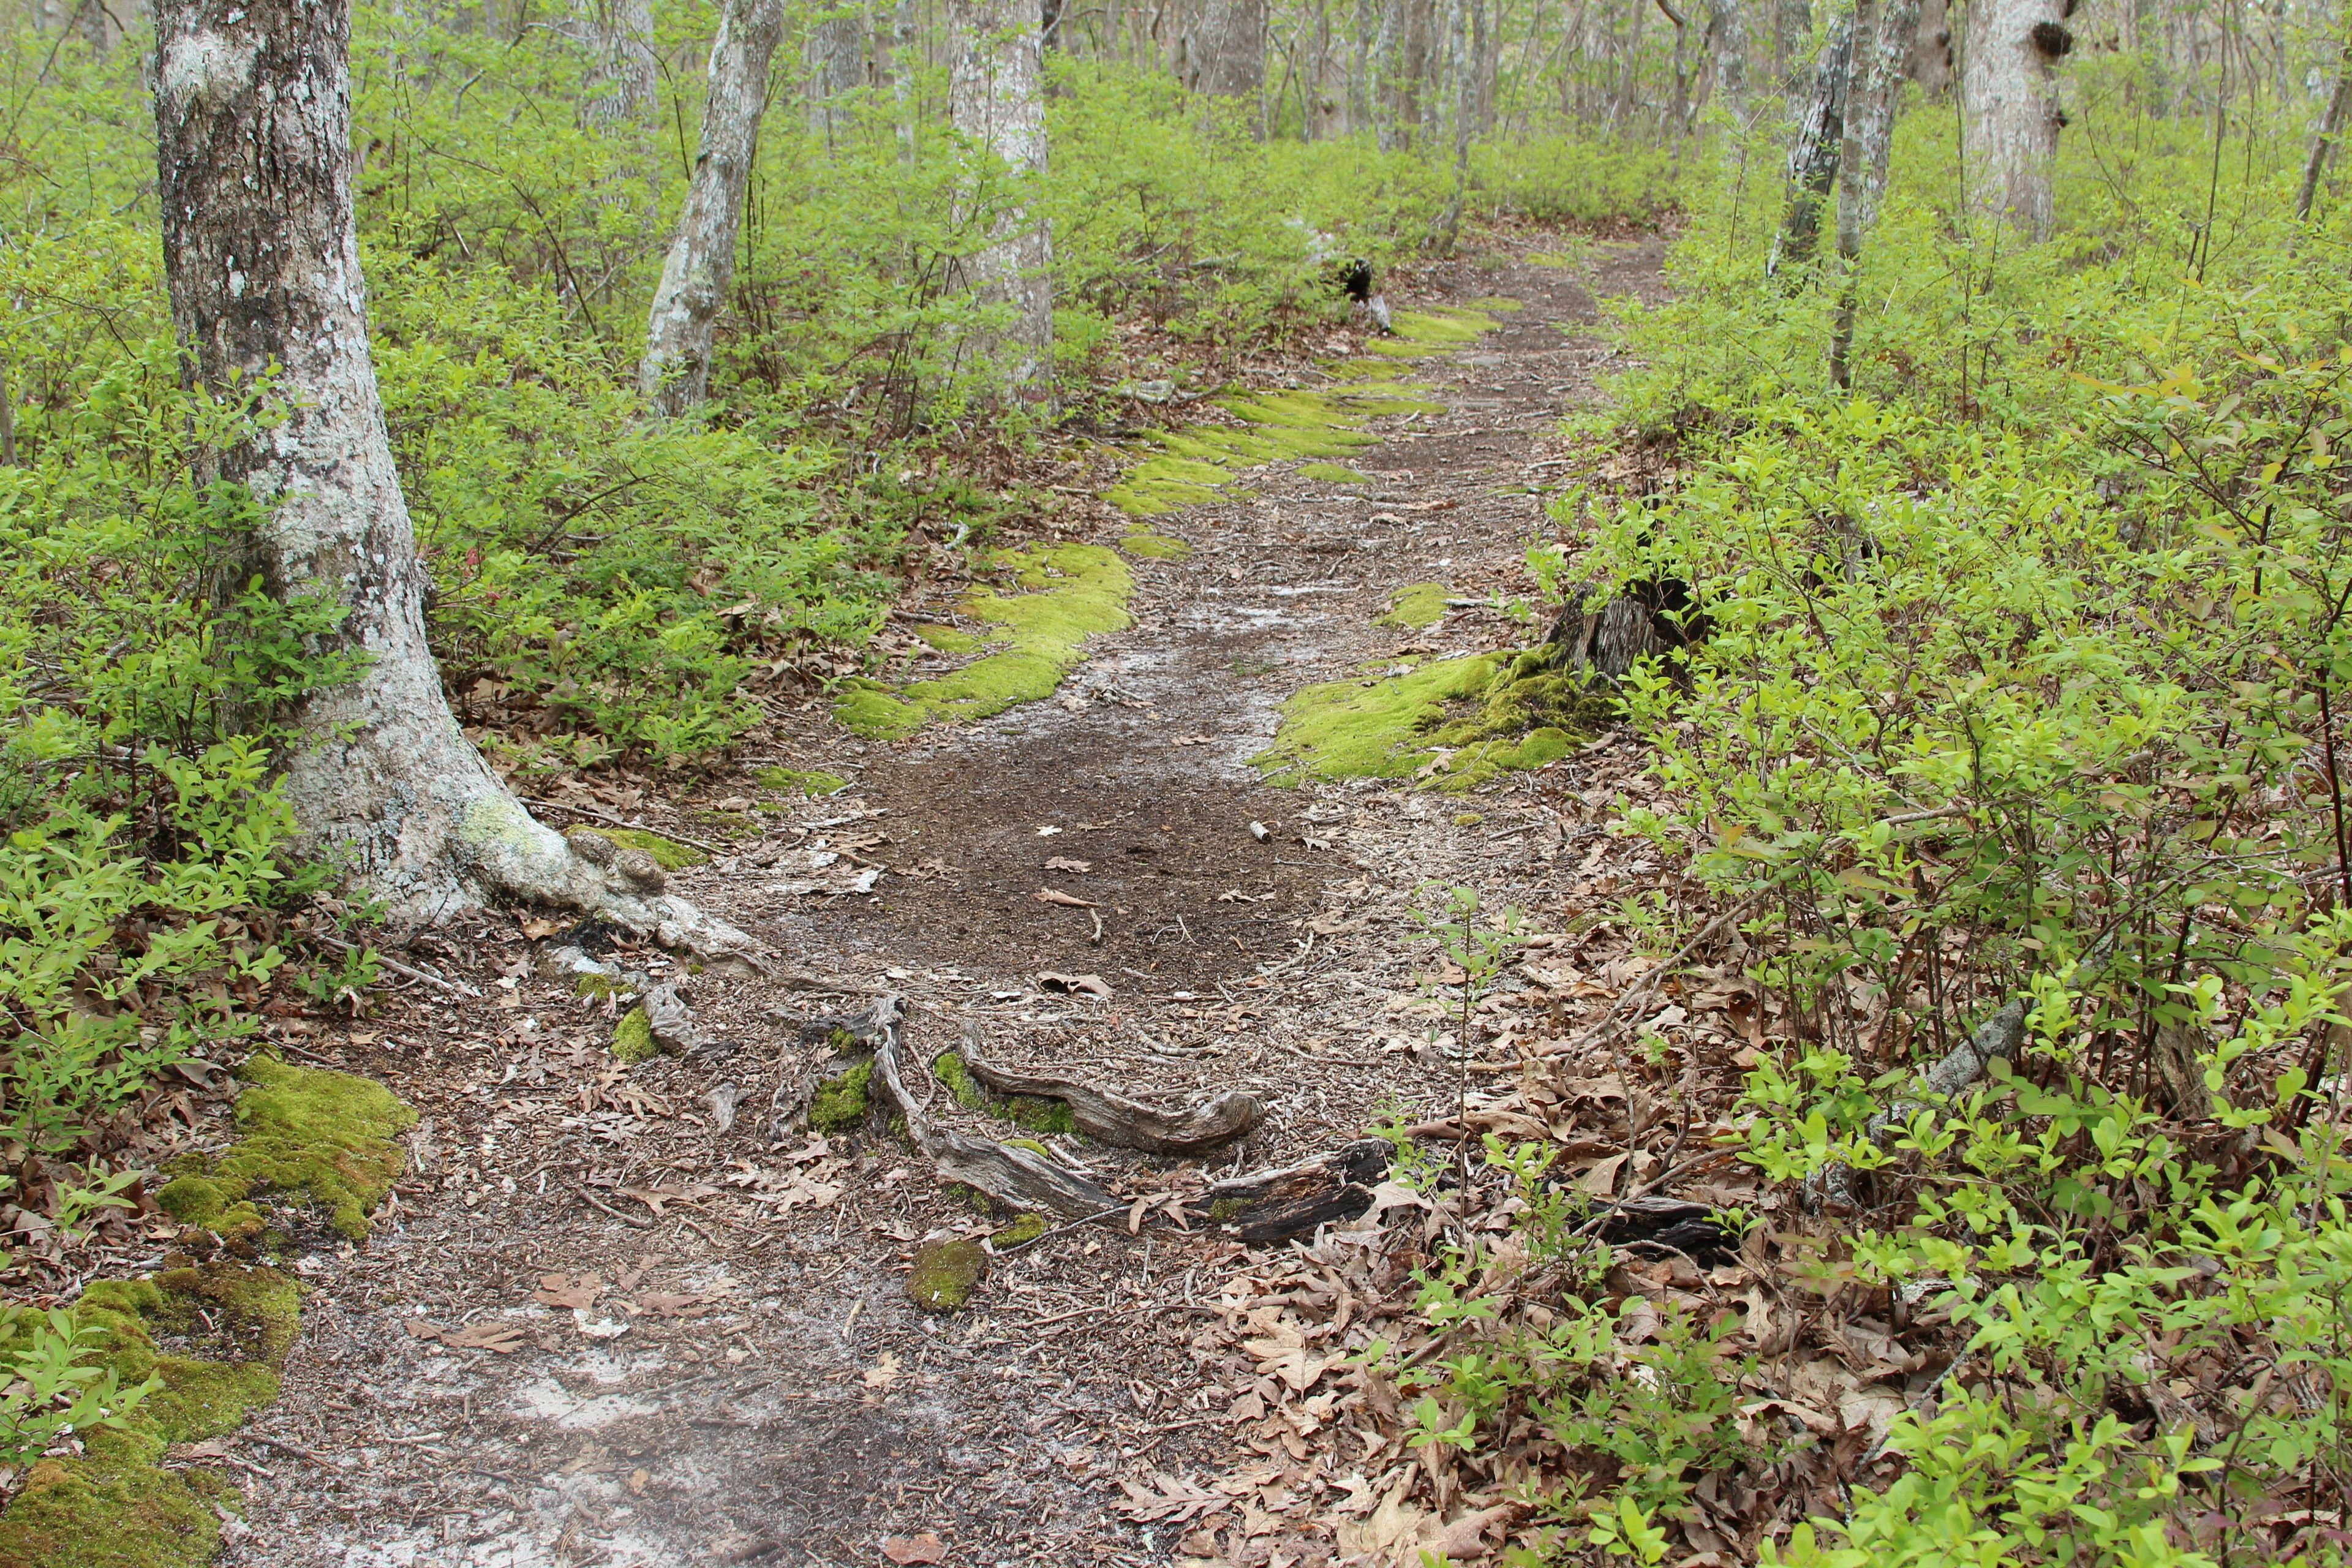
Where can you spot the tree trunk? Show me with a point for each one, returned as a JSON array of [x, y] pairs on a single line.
[[2330, 122], [996, 99], [1931, 50], [1819, 112], [1225, 49], [262, 254], [837, 58], [623, 86], [1885, 32], [1728, 34], [2009, 91], [674, 374]]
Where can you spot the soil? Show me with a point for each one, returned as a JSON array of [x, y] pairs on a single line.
[[745, 1379]]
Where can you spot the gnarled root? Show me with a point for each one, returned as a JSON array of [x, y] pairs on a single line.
[[1020, 1177], [1117, 1119]]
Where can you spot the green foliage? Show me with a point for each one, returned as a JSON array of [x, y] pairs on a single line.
[[50, 1391]]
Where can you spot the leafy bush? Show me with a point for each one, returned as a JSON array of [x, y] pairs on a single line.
[[48, 1392]]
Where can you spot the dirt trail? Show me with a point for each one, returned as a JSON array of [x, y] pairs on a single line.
[[748, 1380]]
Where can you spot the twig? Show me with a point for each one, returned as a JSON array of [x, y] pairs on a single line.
[[618, 822], [300, 1452], [1057, 1230], [590, 1199], [1651, 981], [455, 987]]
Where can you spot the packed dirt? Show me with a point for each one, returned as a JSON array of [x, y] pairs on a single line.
[[596, 1325]]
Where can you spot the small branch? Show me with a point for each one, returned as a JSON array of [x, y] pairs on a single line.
[[455, 987]]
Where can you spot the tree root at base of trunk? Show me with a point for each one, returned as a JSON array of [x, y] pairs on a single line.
[[1116, 1120]]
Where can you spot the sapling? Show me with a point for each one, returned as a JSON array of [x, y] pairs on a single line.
[[1479, 954]]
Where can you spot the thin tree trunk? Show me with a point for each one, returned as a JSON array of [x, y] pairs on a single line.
[[1931, 51], [1793, 28], [2330, 122], [1885, 31], [2009, 90], [674, 374], [1819, 113], [837, 58], [996, 99], [262, 254], [1728, 28]]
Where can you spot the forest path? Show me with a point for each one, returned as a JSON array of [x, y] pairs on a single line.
[[746, 1379]]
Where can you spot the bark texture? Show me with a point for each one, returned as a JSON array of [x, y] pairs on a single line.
[[2331, 123], [623, 86], [1931, 50], [836, 57], [680, 328], [2009, 89], [1818, 111], [261, 252], [1224, 48], [996, 99], [1885, 32]]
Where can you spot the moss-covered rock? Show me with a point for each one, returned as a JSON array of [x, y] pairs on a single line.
[[844, 1100], [115, 1506], [633, 1038], [946, 1273]]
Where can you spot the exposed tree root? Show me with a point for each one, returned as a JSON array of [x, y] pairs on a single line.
[[1275, 1206], [1114, 1119]]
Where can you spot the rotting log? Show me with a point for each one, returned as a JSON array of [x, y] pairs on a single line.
[[1116, 1120], [1294, 1200], [1641, 620]]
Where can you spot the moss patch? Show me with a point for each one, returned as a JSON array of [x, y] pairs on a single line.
[[1333, 474], [1036, 1113], [816, 782], [1419, 605], [1025, 1229], [1149, 544], [1436, 331], [633, 1038], [945, 1274], [308, 1134], [947, 639], [1068, 593], [667, 853], [842, 1102], [115, 1506], [1457, 723], [1498, 302]]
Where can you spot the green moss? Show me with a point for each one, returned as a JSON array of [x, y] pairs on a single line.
[[308, 1134], [947, 639], [1468, 818], [1370, 729], [1493, 303], [1036, 1113], [667, 853], [1225, 1208], [1437, 330], [595, 984], [633, 1038], [945, 1274], [815, 782], [1424, 722], [1152, 546], [1333, 474], [1032, 1145], [1025, 1229], [842, 1102], [1070, 593], [115, 1508], [1419, 605]]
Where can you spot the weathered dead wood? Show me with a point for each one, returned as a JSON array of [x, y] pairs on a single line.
[[1638, 621], [1012, 1176], [1114, 1119], [1275, 1206]]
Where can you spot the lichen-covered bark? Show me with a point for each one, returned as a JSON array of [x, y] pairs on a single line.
[[684, 321], [1885, 32], [262, 254], [1817, 108], [996, 100], [624, 84], [2009, 89]]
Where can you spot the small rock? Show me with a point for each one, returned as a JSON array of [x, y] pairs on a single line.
[[592, 845], [639, 866]]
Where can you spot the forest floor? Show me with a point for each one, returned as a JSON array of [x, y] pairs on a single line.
[[591, 1326]]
